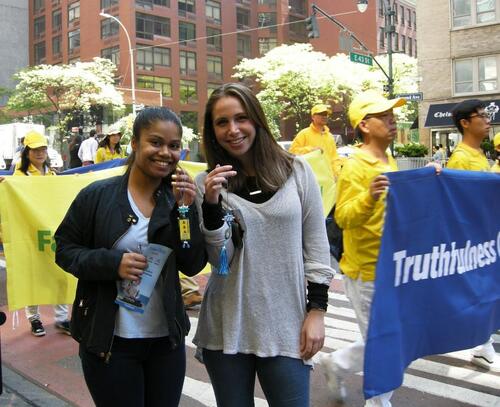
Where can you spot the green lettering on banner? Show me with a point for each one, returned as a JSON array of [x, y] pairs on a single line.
[[45, 238]]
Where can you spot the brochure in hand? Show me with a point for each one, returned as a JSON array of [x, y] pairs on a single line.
[[134, 295]]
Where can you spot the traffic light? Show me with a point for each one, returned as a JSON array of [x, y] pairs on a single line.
[[312, 27]]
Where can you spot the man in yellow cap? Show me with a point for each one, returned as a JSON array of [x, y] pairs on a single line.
[[318, 137], [361, 190], [471, 119], [496, 143]]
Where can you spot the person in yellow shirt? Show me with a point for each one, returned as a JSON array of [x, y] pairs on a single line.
[[109, 147], [361, 189], [473, 122], [35, 162], [318, 137], [496, 143]]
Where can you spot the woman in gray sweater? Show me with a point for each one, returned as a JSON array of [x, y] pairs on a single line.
[[256, 319]]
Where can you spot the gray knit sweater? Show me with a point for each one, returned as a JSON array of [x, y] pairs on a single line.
[[260, 306]]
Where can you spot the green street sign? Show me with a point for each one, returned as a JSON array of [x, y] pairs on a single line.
[[361, 59]]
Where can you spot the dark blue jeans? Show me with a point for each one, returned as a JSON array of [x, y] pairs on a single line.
[[285, 381], [140, 373]]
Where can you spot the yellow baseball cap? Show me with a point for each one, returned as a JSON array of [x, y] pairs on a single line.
[[370, 102], [33, 139], [316, 109], [496, 140]]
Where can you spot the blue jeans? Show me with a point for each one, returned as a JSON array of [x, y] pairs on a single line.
[[140, 373], [285, 381]]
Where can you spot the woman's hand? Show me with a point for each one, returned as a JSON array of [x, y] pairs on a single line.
[[215, 180], [184, 188], [378, 186], [312, 335], [2, 179], [132, 266], [437, 167]]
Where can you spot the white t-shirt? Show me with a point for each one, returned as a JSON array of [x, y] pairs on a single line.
[[88, 149], [153, 322]]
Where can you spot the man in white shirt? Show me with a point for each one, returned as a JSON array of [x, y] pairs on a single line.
[[88, 148]]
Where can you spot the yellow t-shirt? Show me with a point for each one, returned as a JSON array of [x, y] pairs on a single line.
[[468, 158], [310, 138], [496, 167], [359, 215], [104, 154], [32, 170]]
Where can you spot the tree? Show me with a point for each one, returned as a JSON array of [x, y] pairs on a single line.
[[69, 90], [292, 78]]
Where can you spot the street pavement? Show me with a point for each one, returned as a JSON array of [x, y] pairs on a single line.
[[46, 371]]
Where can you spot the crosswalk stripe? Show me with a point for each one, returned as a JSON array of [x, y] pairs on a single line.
[[341, 311], [337, 296]]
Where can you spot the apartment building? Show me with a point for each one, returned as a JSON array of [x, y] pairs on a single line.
[[182, 49], [459, 58]]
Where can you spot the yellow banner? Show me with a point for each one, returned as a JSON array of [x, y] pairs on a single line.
[[31, 209]]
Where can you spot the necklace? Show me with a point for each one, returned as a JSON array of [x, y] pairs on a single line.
[[255, 188]]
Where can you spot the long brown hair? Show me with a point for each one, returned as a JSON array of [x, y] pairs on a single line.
[[273, 165]]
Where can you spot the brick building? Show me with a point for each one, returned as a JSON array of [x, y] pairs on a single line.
[[459, 59], [180, 54]]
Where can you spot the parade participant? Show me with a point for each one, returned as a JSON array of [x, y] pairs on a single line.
[[35, 162], [109, 147], [255, 319], [131, 358], [438, 155], [473, 123], [359, 212], [318, 137], [88, 148], [496, 144], [74, 146]]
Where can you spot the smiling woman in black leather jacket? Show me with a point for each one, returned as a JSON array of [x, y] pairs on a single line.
[[130, 358]]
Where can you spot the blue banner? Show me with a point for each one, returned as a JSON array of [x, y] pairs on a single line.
[[437, 286]]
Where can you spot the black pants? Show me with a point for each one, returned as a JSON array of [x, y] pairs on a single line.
[[140, 373]]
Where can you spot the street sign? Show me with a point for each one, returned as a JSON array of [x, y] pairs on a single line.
[[411, 97], [361, 59]]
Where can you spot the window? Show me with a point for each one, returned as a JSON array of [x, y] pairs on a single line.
[[73, 12], [487, 74], [214, 66], [56, 46], [297, 28], [212, 10], [190, 119], [410, 46], [409, 17], [296, 6], [188, 92], [108, 3], [151, 3], [402, 14], [112, 53], [214, 39], [186, 6], [39, 27], [187, 60], [381, 8], [415, 47], [73, 41], [244, 45], [403, 44], [271, 3], [381, 37], [396, 41], [463, 76], [242, 18], [149, 57], [414, 20], [211, 87], [38, 5], [469, 12], [395, 8], [56, 20], [55, 3], [187, 32], [109, 28], [147, 26], [268, 19], [267, 44], [164, 85], [39, 52]]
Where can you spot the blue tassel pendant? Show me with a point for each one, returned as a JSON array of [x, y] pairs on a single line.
[[223, 269]]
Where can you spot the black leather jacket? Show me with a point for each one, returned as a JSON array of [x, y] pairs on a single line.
[[97, 218]]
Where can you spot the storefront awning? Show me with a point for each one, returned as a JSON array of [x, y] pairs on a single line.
[[439, 115]]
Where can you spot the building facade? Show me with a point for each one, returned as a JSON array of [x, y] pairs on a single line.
[[14, 50], [368, 27], [459, 58], [182, 49]]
